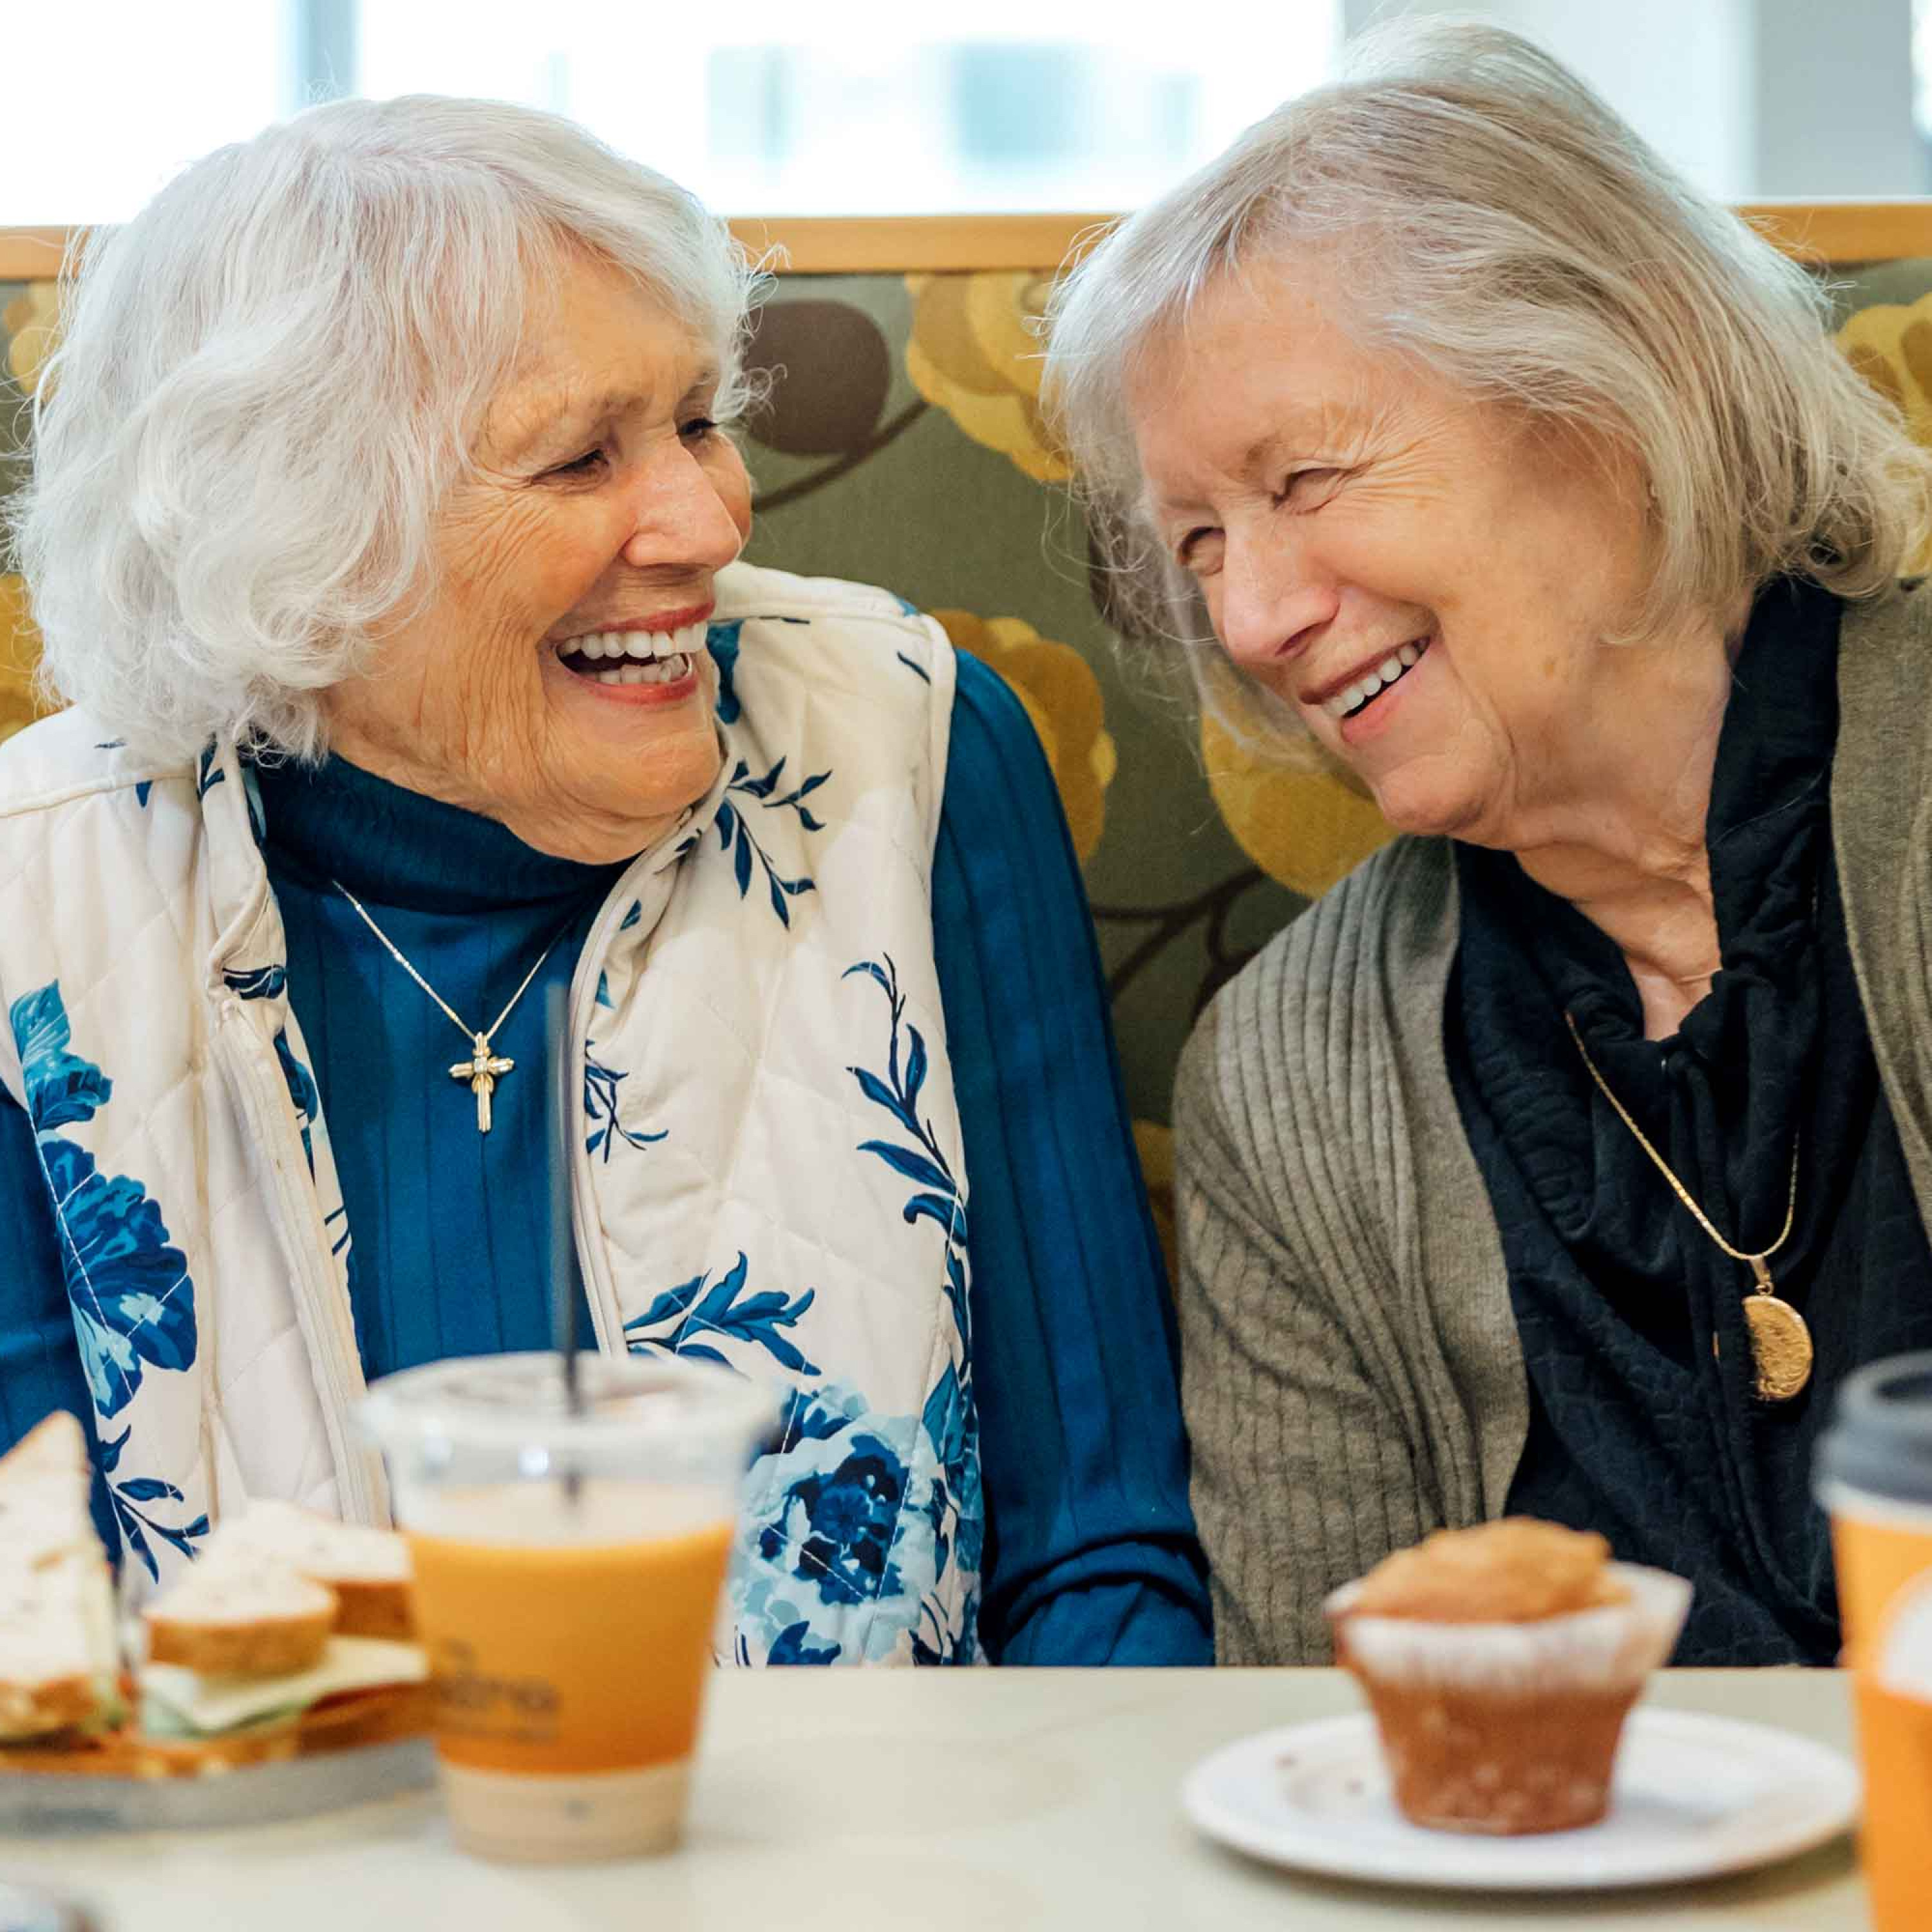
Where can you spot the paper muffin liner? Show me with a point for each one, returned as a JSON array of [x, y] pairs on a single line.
[[1603, 1649]]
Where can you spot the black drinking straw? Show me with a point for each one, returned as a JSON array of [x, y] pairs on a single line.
[[563, 1294]]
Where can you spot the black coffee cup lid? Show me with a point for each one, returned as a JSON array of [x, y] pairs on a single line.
[[1880, 1439]]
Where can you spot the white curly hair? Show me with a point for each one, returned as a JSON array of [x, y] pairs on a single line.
[[268, 380]]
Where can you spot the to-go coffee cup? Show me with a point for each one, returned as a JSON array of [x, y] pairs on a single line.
[[1874, 1477]]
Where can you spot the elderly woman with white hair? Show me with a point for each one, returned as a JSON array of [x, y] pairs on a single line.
[[1562, 1159], [382, 531]]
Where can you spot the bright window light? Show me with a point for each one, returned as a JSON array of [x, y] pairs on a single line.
[[106, 101], [764, 107], [1023, 104]]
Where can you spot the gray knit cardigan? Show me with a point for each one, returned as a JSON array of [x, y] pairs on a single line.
[[1352, 1375]]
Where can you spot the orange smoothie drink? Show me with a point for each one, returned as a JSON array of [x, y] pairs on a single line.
[[1875, 1478], [532, 1650], [567, 1575]]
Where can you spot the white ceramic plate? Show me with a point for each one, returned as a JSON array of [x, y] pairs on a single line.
[[1694, 1796]]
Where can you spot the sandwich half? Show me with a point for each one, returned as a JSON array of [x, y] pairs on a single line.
[[248, 1659], [60, 1664], [250, 1642], [368, 1569]]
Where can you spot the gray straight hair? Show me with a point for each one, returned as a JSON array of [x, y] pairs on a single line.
[[268, 380], [1498, 225]]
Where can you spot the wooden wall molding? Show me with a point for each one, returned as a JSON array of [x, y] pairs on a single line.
[[1837, 232], [1843, 233], [915, 244], [30, 254]]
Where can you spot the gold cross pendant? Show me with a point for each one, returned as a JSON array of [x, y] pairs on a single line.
[[480, 1073]]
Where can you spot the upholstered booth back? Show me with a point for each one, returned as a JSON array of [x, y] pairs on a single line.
[[904, 446]]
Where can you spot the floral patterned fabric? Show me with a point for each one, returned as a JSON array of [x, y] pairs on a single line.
[[904, 446], [132, 1298]]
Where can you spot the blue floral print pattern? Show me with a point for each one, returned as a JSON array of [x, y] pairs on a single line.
[[735, 835], [61, 1088], [136, 1524], [133, 1305], [722, 641], [701, 1307], [950, 1419], [840, 1554], [258, 982], [271, 983], [128, 1286], [958, 1509], [303, 1094], [600, 1106], [792, 1647], [939, 1197]]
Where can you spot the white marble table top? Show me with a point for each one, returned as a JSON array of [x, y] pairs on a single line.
[[931, 1799]]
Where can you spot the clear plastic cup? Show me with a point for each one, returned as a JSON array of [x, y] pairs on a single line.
[[569, 1568]]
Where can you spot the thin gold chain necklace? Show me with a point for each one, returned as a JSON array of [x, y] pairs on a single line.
[[484, 1068], [1781, 1350]]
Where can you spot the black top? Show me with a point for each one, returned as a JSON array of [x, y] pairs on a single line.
[[1644, 1424]]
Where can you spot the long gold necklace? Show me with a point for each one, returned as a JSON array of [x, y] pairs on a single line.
[[484, 1068], [1781, 1350]]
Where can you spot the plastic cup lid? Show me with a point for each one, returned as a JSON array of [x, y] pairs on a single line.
[[1880, 1439], [510, 1401]]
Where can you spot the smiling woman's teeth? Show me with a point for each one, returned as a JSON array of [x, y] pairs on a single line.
[[633, 657], [659, 671], [1346, 702]]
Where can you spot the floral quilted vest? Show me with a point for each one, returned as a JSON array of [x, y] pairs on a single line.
[[768, 1172]]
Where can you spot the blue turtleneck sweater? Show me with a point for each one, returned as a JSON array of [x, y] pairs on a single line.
[[1091, 1555]]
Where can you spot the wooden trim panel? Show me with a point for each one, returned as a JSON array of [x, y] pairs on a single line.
[[1830, 231], [803, 244], [30, 254], [915, 244], [1845, 231]]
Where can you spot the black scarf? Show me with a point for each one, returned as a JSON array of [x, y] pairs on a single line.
[[1640, 1427]]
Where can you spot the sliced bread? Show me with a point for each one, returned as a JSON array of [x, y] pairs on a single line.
[[368, 1569], [237, 1616], [59, 1662]]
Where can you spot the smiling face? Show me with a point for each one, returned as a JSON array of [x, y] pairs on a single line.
[[1431, 586], [557, 681]]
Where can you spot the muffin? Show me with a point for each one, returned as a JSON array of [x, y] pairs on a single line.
[[1501, 1662]]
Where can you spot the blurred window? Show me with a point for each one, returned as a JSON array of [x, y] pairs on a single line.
[[1018, 105], [774, 107]]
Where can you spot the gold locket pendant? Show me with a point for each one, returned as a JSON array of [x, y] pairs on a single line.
[[1781, 1351], [1781, 1342]]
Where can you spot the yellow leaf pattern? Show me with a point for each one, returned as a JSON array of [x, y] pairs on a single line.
[[1307, 829], [30, 320], [20, 652], [1890, 345], [973, 352], [1061, 696]]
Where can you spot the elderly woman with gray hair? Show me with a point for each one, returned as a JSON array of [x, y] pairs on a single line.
[[383, 531], [1562, 1159]]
